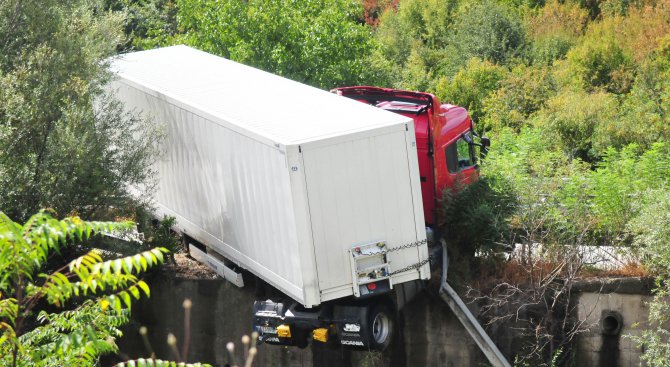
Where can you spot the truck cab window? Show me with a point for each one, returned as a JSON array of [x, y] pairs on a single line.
[[461, 153]]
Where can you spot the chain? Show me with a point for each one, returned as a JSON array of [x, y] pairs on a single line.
[[409, 245], [411, 267], [404, 247]]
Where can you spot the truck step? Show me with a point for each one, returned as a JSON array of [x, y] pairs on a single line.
[[217, 265]]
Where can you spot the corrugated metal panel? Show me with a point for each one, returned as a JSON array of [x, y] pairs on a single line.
[[242, 97], [360, 192], [283, 192], [228, 190]]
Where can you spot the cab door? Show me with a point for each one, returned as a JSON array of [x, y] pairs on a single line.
[[455, 153]]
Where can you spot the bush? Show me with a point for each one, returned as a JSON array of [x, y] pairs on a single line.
[[56, 149], [488, 31], [471, 86], [522, 92], [572, 118], [84, 331], [476, 221], [554, 30], [601, 64], [653, 241], [320, 43], [621, 181]]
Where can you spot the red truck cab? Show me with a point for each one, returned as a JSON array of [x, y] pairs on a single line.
[[444, 138]]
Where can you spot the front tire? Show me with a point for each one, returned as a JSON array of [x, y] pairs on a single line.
[[382, 326]]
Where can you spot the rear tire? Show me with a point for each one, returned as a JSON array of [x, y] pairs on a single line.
[[382, 324]]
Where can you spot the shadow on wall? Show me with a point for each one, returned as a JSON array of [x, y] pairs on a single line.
[[222, 313], [430, 334]]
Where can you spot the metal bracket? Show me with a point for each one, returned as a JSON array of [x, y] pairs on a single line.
[[369, 264], [217, 265]]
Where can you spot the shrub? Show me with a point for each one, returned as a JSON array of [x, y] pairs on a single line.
[[78, 335], [572, 117], [522, 92], [488, 31], [471, 85], [476, 220], [320, 43]]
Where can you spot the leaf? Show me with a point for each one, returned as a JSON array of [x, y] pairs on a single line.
[[117, 265], [135, 292], [128, 264], [144, 287], [151, 258], [139, 262], [126, 298], [141, 362], [159, 254]]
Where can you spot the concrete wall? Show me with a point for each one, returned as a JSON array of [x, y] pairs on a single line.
[[222, 313], [431, 334], [623, 300]]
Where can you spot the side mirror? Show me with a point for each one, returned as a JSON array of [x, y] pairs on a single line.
[[485, 143]]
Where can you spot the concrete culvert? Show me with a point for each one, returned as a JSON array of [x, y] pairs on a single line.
[[611, 323]]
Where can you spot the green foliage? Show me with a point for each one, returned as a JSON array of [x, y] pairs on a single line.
[[416, 24], [653, 241], [523, 92], [471, 86], [489, 31], [79, 335], [602, 64], [653, 207], [554, 29], [147, 23], [319, 43], [159, 233], [572, 118], [553, 205], [622, 180], [56, 149], [645, 111], [546, 50], [476, 219]]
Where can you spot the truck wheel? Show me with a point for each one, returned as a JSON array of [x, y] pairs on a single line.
[[382, 326]]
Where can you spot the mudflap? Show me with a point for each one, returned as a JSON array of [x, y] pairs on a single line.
[[352, 328]]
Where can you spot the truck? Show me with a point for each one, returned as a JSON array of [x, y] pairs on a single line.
[[329, 197]]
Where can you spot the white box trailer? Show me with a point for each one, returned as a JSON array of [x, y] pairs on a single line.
[[285, 180]]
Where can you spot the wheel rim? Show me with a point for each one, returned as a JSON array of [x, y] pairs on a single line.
[[381, 326]]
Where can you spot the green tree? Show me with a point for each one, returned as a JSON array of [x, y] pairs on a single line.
[[489, 31], [321, 43], [82, 331], [645, 112], [64, 144], [572, 118], [471, 86], [555, 29], [415, 24], [147, 23], [523, 92]]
